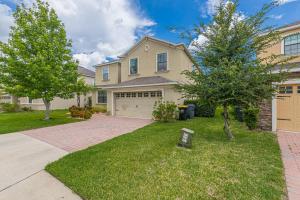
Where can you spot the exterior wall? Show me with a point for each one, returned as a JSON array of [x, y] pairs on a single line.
[[169, 93], [113, 74], [277, 48], [178, 61]]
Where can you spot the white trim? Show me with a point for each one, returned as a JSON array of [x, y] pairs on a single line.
[[282, 46], [112, 104], [289, 82], [138, 65], [289, 28], [132, 86], [108, 73], [274, 114], [168, 68]]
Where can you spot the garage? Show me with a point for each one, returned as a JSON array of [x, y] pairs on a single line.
[[137, 104], [288, 108]]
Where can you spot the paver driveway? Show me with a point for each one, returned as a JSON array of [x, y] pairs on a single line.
[[24, 155], [290, 152]]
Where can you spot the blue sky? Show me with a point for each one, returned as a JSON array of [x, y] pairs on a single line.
[[186, 13], [102, 29]]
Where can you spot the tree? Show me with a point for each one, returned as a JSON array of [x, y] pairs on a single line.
[[36, 61], [231, 72], [81, 88]]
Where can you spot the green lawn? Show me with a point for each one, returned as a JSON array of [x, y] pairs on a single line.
[[146, 164], [12, 122]]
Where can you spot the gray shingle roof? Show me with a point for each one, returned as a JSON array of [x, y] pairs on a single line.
[[86, 72], [151, 80]]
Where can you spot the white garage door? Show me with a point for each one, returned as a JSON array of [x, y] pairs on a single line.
[[136, 104]]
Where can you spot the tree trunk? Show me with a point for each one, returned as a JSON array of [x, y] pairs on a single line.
[[226, 123], [47, 111], [78, 99]]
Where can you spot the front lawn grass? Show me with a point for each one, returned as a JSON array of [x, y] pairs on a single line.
[[147, 164], [20, 121]]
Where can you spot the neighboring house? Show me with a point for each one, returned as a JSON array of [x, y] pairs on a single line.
[[284, 113], [59, 103], [146, 73]]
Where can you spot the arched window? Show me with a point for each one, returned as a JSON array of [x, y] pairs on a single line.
[[292, 44]]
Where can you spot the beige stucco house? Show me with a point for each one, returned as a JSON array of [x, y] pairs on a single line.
[[284, 112], [59, 103], [146, 73]]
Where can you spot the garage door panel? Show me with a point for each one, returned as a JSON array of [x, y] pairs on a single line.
[[137, 106], [288, 108]]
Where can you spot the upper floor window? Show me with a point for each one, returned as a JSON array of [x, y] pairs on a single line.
[[292, 44], [162, 62], [286, 89], [102, 96], [105, 73], [133, 68]]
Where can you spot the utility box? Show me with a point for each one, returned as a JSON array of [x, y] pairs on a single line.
[[186, 138]]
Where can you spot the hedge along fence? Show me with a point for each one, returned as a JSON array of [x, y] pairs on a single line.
[[202, 109]]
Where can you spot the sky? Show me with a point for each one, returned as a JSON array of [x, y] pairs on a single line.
[[101, 30]]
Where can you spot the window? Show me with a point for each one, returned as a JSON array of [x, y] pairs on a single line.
[[298, 89], [105, 73], [146, 94], [292, 44], [29, 100], [102, 96], [152, 94], [122, 95], [159, 94], [162, 62], [133, 68], [285, 89], [117, 95], [133, 95], [140, 94], [128, 95]]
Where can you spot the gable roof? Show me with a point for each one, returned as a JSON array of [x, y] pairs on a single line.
[[148, 38], [142, 81], [85, 72]]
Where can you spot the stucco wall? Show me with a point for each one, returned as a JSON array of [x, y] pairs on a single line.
[[276, 48], [113, 74], [146, 53]]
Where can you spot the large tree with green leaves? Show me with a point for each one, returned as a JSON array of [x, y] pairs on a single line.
[[231, 72], [36, 61]]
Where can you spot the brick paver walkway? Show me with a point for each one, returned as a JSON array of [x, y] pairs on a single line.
[[77, 136], [290, 151]]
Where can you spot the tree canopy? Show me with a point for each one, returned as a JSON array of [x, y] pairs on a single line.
[[231, 71], [36, 61]]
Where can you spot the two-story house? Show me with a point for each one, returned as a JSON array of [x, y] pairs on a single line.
[[284, 113], [146, 73]]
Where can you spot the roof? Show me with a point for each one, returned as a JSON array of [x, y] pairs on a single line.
[[152, 39], [290, 67], [86, 72], [289, 26], [142, 81]]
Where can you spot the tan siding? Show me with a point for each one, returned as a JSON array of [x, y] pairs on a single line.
[[113, 74]]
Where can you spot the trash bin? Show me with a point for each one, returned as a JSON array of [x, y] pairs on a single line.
[[191, 111], [183, 114]]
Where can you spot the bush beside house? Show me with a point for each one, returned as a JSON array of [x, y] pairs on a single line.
[[202, 109]]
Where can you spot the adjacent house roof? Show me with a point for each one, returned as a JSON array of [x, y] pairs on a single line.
[[86, 72], [291, 26], [143, 81]]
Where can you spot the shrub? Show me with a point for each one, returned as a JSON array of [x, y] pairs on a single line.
[[164, 111], [8, 107], [202, 109], [84, 113], [99, 109], [251, 117], [27, 109], [87, 114]]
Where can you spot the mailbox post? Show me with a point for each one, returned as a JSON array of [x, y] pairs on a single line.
[[186, 138]]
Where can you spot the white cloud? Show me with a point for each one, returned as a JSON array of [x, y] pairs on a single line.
[[276, 16], [6, 20], [212, 5], [197, 42], [281, 2], [100, 28]]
